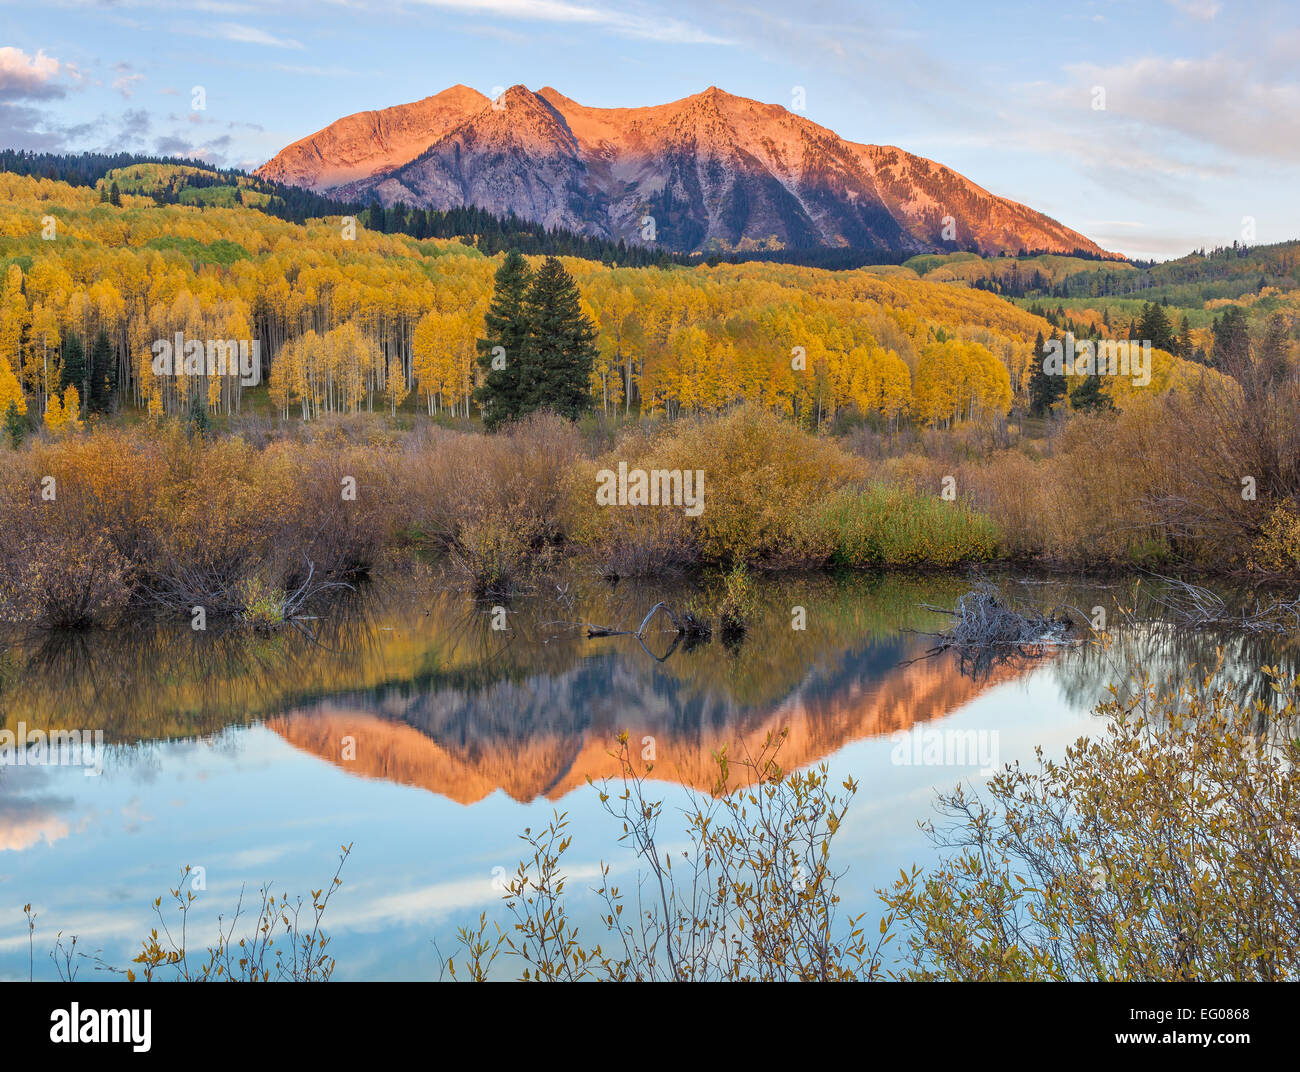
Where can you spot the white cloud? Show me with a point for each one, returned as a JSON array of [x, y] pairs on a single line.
[[251, 35], [652, 27], [1204, 10], [1222, 102], [125, 83], [27, 76]]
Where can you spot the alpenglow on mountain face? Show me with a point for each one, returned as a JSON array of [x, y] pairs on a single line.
[[712, 171]]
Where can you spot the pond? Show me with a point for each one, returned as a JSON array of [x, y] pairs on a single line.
[[412, 727]]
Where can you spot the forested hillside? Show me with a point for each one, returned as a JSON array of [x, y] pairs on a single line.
[[95, 272]]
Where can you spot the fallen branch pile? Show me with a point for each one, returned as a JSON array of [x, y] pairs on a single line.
[[982, 619], [987, 632], [1196, 607]]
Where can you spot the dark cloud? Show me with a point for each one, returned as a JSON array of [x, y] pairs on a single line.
[[23, 127]]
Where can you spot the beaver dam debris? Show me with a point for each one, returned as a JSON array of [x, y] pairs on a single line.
[[983, 619], [986, 630]]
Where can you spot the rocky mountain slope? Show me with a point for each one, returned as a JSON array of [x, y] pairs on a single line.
[[711, 171]]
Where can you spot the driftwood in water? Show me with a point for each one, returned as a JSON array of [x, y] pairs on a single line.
[[1191, 605], [686, 623]]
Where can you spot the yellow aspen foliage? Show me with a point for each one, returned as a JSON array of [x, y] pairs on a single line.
[[13, 321], [10, 392], [71, 409], [395, 390], [54, 418], [443, 353], [677, 340], [958, 380]]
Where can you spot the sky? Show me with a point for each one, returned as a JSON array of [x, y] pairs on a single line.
[[1155, 127]]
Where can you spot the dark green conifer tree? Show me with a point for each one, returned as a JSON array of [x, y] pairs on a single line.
[[503, 351], [15, 428], [1045, 388], [103, 374], [1154, 326], [74, 364], [561, 349], [1090, 395], [1231, 351], [1274, 350]]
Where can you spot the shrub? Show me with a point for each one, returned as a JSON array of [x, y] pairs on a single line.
[[152, 517], [1277, 549], [895, 526], [753, 900], [736, 608], [1161, 848], [496, 502], [62, 564], [284, 942], [342, 536], [762, 479], [61, 582]]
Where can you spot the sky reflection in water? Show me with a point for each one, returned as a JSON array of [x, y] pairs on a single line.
[[226, 752]]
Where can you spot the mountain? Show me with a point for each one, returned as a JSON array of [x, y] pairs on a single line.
[[371, 143], [713, 171]]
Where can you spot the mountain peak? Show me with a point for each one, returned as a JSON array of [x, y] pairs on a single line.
[[460, 92], [518, 93], [713, 97], [555, 97], [722, 171], [365, 143]]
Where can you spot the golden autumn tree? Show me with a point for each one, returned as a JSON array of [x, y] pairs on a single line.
[[71, 409], [958, 380], [11, 394], [395, 389], [54, 414]]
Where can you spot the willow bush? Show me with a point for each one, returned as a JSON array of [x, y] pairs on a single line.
[[1164, 847]]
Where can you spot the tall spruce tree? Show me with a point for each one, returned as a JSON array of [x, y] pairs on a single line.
[[1045, 389], [15, 428], [1154, 326], [1231, 353], [1184, 340], [1090, 395], [561, 349], [504, 349], [74, 363], [1274, 350], [103, 373]]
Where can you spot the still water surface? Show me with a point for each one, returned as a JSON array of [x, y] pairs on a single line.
[[231, 752]]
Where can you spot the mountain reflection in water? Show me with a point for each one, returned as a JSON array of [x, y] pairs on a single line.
[[409, 681], [410, 727]]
